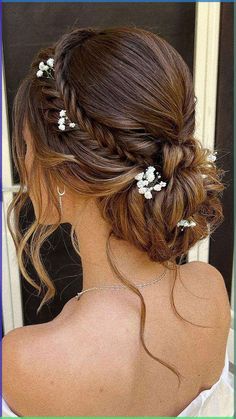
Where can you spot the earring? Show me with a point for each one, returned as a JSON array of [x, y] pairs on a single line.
[[60, 196]]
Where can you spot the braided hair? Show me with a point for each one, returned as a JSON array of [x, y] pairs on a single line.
[[131, 95]]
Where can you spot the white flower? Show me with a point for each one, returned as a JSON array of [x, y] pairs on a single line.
[[150, 169], [139, 176], [150, 177], [41, 65], [145, 179], [44, 67], [142, 183], [50, 62], [163, 184], [63, 112], [186, 223], [157, 187], [143, 190], [212, 157], [63, 120], [181, 223], [39, 73], [204, 176], [148, 195]]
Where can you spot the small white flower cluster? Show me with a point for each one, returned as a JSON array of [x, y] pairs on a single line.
[[48, 68], [212, 157], [185, 223], [63, 120], [145, 178]]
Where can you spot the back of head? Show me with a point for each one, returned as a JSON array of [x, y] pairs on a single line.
[[132, 97]]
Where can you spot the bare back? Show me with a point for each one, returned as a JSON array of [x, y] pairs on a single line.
[[132, 383]]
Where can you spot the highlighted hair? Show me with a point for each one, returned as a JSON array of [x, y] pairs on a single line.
[[132, 95]]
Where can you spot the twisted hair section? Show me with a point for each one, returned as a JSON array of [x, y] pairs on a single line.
[[132, 96]]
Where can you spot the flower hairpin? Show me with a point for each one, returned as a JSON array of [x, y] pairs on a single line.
[[47, 68], [212, 156], [186, 223], [144, 179], [64, 120]]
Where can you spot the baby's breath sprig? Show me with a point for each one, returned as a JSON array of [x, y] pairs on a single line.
[[212, 157], [148, 177], [186, 223], [46, 68], [63, 120]]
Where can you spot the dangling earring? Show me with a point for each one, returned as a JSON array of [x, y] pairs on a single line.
[[60, 196]]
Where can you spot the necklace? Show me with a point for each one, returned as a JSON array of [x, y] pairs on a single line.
[[122, 286]]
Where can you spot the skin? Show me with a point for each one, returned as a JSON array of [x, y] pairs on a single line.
[[89, 360]]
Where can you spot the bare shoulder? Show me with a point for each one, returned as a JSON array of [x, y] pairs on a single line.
[[20, 348], [207, 281], [213, 309], [13, 367], [211, 277], [52, 365]]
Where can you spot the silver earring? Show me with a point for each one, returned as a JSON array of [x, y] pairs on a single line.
[[60, 194]]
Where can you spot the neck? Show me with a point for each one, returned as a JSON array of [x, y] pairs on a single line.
[[92, 233]]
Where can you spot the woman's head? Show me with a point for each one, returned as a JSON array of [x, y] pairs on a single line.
[[132, 96]]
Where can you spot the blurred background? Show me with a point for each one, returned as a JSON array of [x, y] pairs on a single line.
[[203, 34]]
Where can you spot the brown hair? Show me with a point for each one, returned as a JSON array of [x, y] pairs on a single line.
[[132, 96]]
